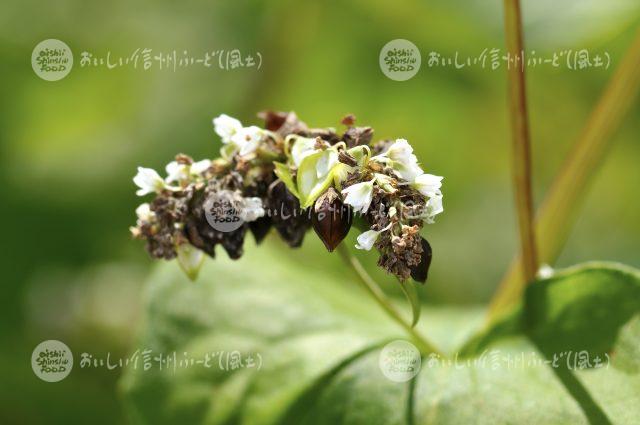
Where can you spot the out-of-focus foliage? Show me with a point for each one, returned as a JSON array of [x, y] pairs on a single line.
[[319, 353], [68, 149]]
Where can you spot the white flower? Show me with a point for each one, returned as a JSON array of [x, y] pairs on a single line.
[[200, 167], [368, 238], [401, 158], [401, 151], [149, 181], [252, 209], [176, 171], [180, 172], [248, 139], [226, 127], [434, 207], [407, 171], [359, 196], [428, 184], [144, 213], [302, 148], [326, 162]]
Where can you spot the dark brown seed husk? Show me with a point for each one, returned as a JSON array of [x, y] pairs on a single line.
[[287, 217], [420, 272], [260, 228], [331, 219]]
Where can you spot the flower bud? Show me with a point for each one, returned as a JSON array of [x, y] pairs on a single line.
[[331, 219], [419, 272]]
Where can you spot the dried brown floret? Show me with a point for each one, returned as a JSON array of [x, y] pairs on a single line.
[[283, 123], [356, 136]]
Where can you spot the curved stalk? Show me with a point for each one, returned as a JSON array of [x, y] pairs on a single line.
[[373, 289]]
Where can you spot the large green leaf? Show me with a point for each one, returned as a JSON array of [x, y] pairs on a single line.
[[319, 338]]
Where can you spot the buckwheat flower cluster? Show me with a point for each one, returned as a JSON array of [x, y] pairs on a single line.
[[291, 177]]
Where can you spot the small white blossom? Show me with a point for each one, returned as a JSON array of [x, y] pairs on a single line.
[[401, 158], [359, 196], [252, 209], [434, 207], [248, 139], [401, 151], [200, 167], [180, 172], [149, 181], [144, 213], [368, 238], [428, 184], [226, 127], [176, 171], [407, 171]]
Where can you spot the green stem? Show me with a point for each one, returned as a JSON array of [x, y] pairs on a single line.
[[373, 289], [520, 138], [557, 214]]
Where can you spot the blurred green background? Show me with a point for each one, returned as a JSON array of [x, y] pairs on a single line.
[[69, 149]]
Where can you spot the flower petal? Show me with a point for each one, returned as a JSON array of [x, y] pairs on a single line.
[[226, 127], [144, 212], [367, 239], [302, 148], [148, 180], [407, 171], [176, 171], [200, 167], [400, 151], [428, 184], [359, 196], [434, 207], [248, 139], [308, 183], [326, 162]]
